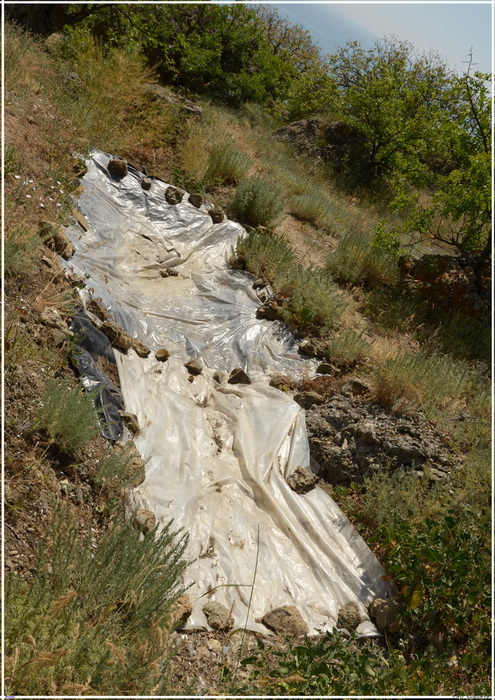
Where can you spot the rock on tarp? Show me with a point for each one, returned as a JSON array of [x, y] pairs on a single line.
[[217, 455]]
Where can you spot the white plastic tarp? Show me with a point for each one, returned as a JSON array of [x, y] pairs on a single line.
[[217, 455]]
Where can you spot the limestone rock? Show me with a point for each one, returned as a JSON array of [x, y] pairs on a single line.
[[196, 200], [302, 480], [356, 387], [118, 167], [116, 335], [351, 438], [325, 368], [162, 355], [146, 183], [130, 421], [144, 520], [269, 311], [194, 367], [56, 239], [384, 612], [51, 317], [285, 620], [306, 399], [140, 348], [218, 616], [282, 382], [216, 215], [238, 376], [349, 616], [180, 612], [173, 195]]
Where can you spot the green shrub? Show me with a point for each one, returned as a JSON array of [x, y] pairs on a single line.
[[67, 415], [93, 618], [348, 349], [257, 202], [118, 468], [311, 303], [308, 207], [226, 164], [425, 380], [357, 262], [263, 254]]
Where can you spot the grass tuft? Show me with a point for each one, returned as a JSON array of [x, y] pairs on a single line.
[[357, 262], [257, 202], [94, 614], [226, 164], [67, 415]]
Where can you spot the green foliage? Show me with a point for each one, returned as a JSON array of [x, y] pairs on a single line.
[[394, 100], [93, 617], [257, 202], [67, 415], [105, 95], [233, 53], [426, 380], [348, 349], [119, 468], [226, 164], [358, 261], [435, 543], [309, 299]]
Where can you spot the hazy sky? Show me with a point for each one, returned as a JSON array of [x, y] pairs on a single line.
[[450, 29]]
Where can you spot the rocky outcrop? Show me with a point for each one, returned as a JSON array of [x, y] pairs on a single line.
[[351, 438]]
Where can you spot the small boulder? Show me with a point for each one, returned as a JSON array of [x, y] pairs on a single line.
[[55, 239], [146, 183], [118, 167], [238, 376], [173, 195], [306, 399], [285, 620], [216, 215], [349, 616], [356, 387], [196, 200], [218, 616], [180, 612], [194, 367], [282, 382], [162, 355], [302, 480], [384, 612], [269, 311], [140, 348], [130, 421], [51, 318], [116, 335], [326, 368], [144, 520]]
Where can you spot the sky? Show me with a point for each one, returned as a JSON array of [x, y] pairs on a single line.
[[449, 29]]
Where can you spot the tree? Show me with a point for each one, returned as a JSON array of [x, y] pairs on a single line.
[[459, 208], [393, 100]]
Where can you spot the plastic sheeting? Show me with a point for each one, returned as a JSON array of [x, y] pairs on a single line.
[[217, 455]]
